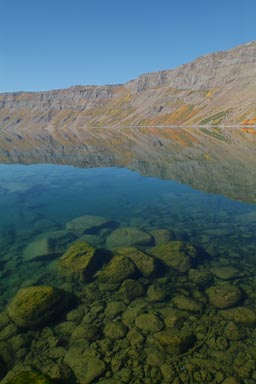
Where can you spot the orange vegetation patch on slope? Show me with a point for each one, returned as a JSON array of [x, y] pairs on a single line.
[[249, 130], [180, 116]]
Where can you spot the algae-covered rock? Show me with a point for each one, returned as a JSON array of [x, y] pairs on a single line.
[[223, 295], [34, 306], [89, 224], [175, 254], [127, 237], [118, 269], [115, 330], [114, 308], [130, 289], [173, 318], [156, 293], [226, 273], [86, 367], [48, 245], [240, 315], [146, 264], [149, 322], [200, 277], [85, 331], [177, 341], [79, 262], [162, 236], [29, 377], [186, 303]]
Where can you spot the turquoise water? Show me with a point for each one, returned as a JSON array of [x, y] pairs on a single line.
[[36, 200]]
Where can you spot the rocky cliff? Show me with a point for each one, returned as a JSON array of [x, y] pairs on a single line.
[[218, 88]]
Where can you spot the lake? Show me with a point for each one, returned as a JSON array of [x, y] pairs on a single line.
[[109, 276]]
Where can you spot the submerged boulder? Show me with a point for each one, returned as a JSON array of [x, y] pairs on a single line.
[[224, 295], [118, 269], [37, 305], [177, 341], [128, 236], [29, 377], [48, 245], [226, 273], [240, 315], [178, 255], [89, 224], [79, 262], [146, 264]]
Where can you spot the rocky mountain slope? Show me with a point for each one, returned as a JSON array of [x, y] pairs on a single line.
[[218, 88]]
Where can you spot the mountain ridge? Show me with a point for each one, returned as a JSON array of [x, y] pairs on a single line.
[[218, 88]]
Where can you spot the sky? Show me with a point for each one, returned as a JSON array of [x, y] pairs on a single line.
[[53, 44]]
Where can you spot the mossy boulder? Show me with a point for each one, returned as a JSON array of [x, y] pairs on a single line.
[[177, 341], [48, 245], [186, 303], [224, 295], [79, 262], [29, 377], [127, 237], [115, 330], [156, 293], [240, 315], [118, 269], [37, 305], [162, 236], [146, 264], [89, 224], [178, 255], [200, 277], [226, 273], [149, 322], [130, 289]]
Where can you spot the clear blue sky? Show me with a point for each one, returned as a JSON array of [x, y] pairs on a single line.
[[51, 44]]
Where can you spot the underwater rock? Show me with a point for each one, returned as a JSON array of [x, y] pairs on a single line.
[[86, 331], [79, 262], [29, 377], [240, 315], [175, 254], [162, 236], [118, 269], [127, 237], [177, 341], [226, 273], [89, 224], [149, 322], [156, 293], [34, 306], [146, 264], [114, 308], [186, 303], [86, 367], [200, 277], [130, 289], [173, 318], [48, 245], [223, 295], [135, 337], [115, 330], [232, 331]]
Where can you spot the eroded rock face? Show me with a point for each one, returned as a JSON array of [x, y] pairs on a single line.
[[224, 295], [79, 262], [178, 255], [127, 237], [35, 306]]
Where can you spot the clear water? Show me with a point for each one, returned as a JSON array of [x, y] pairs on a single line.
[[36, 199]]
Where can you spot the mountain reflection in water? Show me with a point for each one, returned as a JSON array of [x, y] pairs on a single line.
[[109, 276]]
